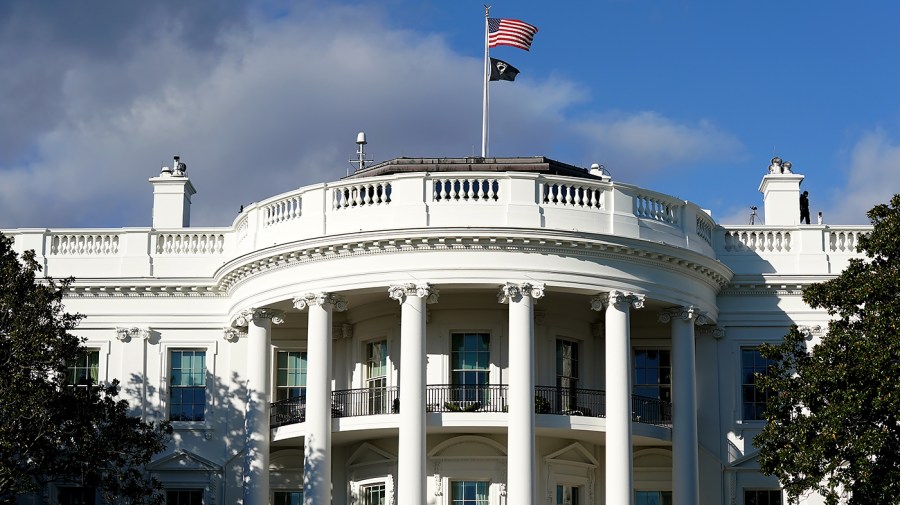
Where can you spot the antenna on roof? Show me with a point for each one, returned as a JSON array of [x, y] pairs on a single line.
[[360, 160]]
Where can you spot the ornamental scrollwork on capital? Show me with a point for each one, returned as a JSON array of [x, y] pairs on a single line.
[[309, 299], [425, 290], [712, 330], [620, 299], [688, 313], [233, 334], [811, 331], [438, 483], [126, 334], [514, 292], [245, 316]]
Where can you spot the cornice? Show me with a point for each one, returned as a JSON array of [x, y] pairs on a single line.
[[635, 251], [131, 289]]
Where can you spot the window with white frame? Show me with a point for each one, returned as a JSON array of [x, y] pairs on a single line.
[[469, 492], [184, 497], [762, 497], [187, 385], [652, 498], [294, 497], [753, 397], [376, 376], [290, 375], [85, 370], [373, 494], [470, 361], [568, 495]]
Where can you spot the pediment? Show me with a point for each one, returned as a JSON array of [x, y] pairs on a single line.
[[182, 460], [653, 458], [573, 454], [468, 447], [368, 454], [749, 462]]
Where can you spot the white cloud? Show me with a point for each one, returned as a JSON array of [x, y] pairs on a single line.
[[873, 177], [266, 106]]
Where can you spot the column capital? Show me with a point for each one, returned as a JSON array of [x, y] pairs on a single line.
[[686, 313], [245, 316], [127, 334], [712, 330], [513, 292], [425, 290], [309, 299], [617, 297], [233, 334]]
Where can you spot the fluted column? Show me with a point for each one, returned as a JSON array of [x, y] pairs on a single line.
[[619, 454], [521, 475], [259, 337], [317, 443], [411, 445], [685, 474]]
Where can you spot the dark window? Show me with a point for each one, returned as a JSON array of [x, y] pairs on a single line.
[[288, 497], [653, 373], [754, 398], [470, 358], [76, 496], [567, 373], [652, 498], [762, 497], [188, 386], [469, 492], [290, 378], [184, 497], [85, 369]]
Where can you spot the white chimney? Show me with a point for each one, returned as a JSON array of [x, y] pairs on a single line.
[[781, 194], [172, 192]]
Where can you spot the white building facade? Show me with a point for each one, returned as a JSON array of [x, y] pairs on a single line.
[[449, 332]]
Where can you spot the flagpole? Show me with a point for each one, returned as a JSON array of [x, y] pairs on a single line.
[[484, 109]]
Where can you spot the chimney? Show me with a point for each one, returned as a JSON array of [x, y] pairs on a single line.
[[172, 192], [781, 194]]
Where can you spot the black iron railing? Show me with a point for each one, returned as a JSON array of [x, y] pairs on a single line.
[[367, 401], [474, 398], [466, 398], [569, 401]]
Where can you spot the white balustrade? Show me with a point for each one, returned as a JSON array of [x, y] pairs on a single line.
[[282, 210], [705, 228], [84, 244], [570, 194], [467, 189], [843, 241], [361, 195], [190, 243], [242, 228], [757, 241], [657, 208]]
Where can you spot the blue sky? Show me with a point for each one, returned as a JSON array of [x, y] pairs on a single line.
[[687, 98]]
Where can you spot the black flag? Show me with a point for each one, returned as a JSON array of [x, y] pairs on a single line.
[[502, 71]]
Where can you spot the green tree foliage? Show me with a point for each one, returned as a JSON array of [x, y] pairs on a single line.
[[833, 422], [51, 431]]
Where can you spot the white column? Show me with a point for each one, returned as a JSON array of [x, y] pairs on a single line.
[[619, 453], [259, 338], [685, 473], [521, 475], [317, 442], [411, 445]]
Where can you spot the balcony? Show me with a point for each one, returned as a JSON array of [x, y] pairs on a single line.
[[447, 398]]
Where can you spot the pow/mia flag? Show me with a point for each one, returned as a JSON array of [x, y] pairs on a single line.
[[502, 71]]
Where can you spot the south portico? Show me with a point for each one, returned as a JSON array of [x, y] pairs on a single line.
[[414, 299]]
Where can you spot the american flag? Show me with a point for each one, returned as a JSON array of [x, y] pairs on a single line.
[[510, 32]]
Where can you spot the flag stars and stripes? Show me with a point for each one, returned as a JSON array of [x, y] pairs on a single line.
[[510, 32]]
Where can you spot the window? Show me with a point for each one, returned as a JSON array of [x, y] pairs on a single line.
[[652, 498], [184, 497], [470, 357], [754, 398], [762, 497], [469, 492], [76, 496], [567, 495], [376, 376], [188, 386], [567, 374], [653, 373], [373, 495], [290, 378], [85, 369], [288, 498]]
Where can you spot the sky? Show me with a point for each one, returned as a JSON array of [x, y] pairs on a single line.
[[691, 99]]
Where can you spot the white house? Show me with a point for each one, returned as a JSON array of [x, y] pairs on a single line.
[[471, 331]]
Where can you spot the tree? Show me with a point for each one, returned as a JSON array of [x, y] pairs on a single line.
[[51, 430], [833, 415]]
